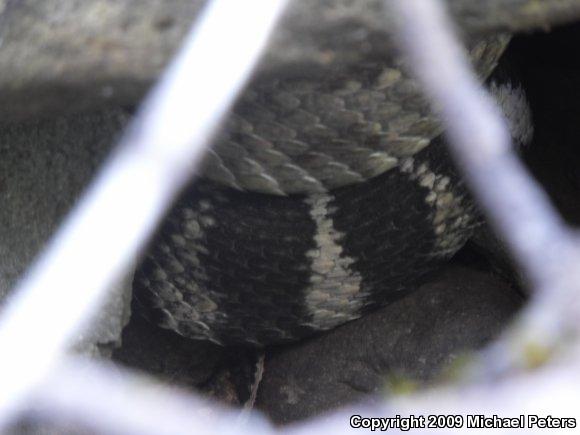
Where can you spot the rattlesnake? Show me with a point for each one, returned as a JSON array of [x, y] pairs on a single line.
[[324, 196]]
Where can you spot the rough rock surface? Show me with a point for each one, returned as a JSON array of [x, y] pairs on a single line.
[[223, 373], [43, 168], [163, 353], [78, 54], [414, 338]]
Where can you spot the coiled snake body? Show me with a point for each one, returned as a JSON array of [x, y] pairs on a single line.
[[323, 198]]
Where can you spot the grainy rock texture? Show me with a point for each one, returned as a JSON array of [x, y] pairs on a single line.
[[44, 167], [83, 53], [414, 338]]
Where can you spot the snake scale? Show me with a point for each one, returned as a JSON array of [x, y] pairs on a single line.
[[323, 197]]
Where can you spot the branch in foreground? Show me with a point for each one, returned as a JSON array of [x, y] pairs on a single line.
[[154, 160], [109, 399], [546, 249], [517, 206]]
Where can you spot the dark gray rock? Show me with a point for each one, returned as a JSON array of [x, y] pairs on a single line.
[[168, 356], [225, 374], [414, 339], [43, 169]]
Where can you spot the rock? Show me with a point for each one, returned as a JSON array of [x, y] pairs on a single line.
[[84, 54], [170, 357], [413, 339], [225, 374], [43, 169], [489, 245], [104, 334]]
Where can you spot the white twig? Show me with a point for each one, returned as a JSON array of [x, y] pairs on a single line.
[[109, 399], [480, 139], [546, 249], [121, 208]]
